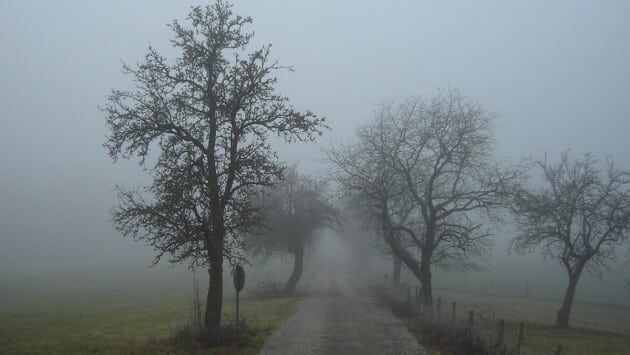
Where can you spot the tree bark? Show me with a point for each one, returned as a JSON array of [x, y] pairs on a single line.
[[398, 249], [407, 258], [214, 301], [425, 262], [396, 272], [562, 319], [298, 268], [425, 280]]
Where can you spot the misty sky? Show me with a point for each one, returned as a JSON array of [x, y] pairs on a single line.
[[557, 75]]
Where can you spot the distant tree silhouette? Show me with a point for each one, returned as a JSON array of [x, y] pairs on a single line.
[[578, 214], [424, 169], [294, 208]]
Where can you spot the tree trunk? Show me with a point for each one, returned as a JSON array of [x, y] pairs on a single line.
[[396, 273], [398, 250], [405, 256], [562, 319], [425, 280], [298, 267], [214, 301]]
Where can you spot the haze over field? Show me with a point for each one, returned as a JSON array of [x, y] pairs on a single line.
[[556, 75]]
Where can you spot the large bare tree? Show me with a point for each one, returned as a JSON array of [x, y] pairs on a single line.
[[432, 180], [207, 113], [579, 214]]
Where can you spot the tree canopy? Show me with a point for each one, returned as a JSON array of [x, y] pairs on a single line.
[[424, 168], [295, 207], [208, 114], [579, 214]]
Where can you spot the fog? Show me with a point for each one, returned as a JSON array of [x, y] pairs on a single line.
[[556, 74]]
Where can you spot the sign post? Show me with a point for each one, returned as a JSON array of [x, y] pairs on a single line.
[[239, 282]]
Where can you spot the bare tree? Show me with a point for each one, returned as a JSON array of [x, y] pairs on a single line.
[[578, 214], [367, 185], [432, 180], [294, 209], [208, 113], [363, 193]]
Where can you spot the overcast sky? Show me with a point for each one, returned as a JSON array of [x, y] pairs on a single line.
[[557, 75]]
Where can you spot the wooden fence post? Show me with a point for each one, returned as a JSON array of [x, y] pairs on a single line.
[[519, 342], [500, 331], [454, 306]]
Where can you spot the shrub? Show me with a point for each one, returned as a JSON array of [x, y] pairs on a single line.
[[441, 333]]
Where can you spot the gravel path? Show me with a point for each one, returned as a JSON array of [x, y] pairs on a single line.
[[337, 319]]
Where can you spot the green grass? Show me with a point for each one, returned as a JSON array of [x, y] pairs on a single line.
[[542, 339], [586, 315], [596, 328], [111, 321]]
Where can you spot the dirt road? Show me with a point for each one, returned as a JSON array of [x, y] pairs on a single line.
[[338, 318]]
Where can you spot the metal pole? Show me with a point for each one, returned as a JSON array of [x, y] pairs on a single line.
[[237, 320], [439, 306]]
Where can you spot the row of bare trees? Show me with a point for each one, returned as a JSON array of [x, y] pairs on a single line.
[[422, 172]]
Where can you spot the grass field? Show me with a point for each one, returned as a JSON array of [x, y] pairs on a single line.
[[594, 316], [138, 315], [596, 328], [119, 318]]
